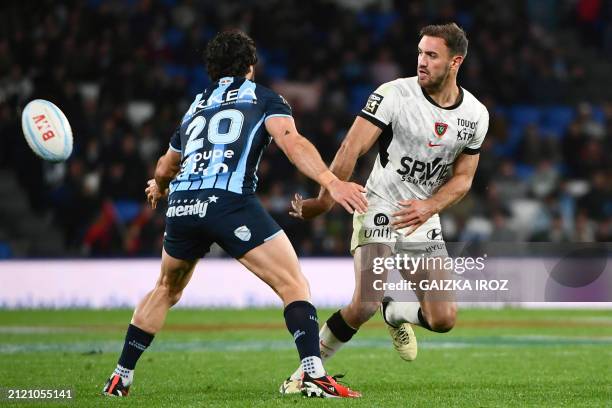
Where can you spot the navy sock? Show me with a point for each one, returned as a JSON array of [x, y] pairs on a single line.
[[301, 320], [136, 342], [340, 328]]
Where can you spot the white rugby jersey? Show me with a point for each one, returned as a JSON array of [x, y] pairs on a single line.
[[420, 139]]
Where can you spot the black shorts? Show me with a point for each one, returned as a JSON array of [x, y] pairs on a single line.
[[197, 219]]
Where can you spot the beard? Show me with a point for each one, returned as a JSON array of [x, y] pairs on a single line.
[[435, 83]]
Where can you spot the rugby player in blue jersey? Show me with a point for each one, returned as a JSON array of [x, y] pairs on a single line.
[[209, 177]]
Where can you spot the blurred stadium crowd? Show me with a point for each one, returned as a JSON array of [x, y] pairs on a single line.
[[125, 71]]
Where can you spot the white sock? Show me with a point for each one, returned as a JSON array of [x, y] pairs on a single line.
[[397, 313], [313, 366], [329, 345], [127, 375], [297, 374]]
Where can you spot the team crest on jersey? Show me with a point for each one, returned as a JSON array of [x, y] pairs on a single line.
[[440, 128]]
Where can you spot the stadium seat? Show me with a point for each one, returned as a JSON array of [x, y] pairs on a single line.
[[556, 119], [198, 80], [501, 111], [599, 115], [523, 115], [175, 70], [126, 210], [276, 71], [359, 96], [523, 171], [508, 148], [377, 23], [5, 250], [174, 37]]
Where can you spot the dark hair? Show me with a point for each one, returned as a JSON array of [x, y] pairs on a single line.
[[455, 38], [230, 53]]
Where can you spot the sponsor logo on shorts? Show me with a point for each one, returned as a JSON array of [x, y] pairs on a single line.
[[436, 248], [434, 234], [377, 233], [243, 233], [381, 219], [189, 207]]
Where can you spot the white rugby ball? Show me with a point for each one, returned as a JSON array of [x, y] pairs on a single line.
[[47, 130]]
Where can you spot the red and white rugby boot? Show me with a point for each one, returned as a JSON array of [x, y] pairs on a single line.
[[326, 387], [115, 387]]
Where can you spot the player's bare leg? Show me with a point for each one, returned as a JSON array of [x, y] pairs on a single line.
[[435, 311], [438, 308], [344, 323], [366, 300], [148, 319], [276, 263], [150, 314]]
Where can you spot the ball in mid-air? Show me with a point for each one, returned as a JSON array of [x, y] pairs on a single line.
[[47, 130]]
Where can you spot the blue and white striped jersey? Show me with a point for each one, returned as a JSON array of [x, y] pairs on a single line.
[[222, 136]]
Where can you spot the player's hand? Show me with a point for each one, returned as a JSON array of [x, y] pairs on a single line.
[[349, 195], [309, 208], [413, 213], [153, 193]]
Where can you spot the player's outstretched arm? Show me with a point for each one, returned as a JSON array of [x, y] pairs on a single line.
[[308, 160], [359, 139], [416, 212], [166, 170]]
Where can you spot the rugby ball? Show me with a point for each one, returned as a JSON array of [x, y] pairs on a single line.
[[47, 130]]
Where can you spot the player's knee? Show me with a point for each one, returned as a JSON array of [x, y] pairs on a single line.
[[174, 297], [369, 309], [169, 293], [445, 321], [293, 288]]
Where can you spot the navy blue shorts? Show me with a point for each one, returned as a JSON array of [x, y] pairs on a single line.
[[197, 219]]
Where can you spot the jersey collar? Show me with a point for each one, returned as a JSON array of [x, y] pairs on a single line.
[[453, 106], [226, 80]]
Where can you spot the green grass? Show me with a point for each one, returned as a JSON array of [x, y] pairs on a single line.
[[227, 358]]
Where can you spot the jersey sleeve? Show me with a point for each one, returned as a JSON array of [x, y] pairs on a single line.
[[175, 140], [380, 109], [277, 106], [473, 146]]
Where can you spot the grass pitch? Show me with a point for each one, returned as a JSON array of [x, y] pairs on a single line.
[[228, 358]]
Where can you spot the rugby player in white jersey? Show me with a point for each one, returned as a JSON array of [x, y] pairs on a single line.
[[429, 131]]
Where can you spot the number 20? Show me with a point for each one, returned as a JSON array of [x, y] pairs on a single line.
[[196, 127]]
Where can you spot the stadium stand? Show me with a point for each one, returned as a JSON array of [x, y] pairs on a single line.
[[125, 71]]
